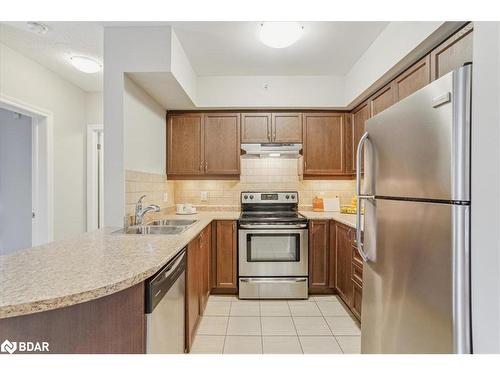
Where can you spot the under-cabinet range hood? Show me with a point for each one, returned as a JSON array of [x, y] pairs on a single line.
[[271, 150]]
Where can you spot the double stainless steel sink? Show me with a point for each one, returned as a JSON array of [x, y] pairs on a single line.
[[164, 226]]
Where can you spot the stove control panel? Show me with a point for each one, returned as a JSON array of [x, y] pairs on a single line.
[[270, 197]]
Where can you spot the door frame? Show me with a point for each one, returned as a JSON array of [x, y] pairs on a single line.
[[93, 209], [42, 190]]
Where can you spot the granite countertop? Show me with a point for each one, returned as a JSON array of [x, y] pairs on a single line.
[[347, 219], [89, 266]]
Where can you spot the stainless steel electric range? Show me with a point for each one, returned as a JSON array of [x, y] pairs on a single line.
[[273, 246]]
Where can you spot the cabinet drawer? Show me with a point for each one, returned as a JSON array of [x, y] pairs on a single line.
[[356, 258], [357, 274]]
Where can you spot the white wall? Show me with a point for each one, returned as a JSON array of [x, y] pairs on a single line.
[[28, 82], [145, 130], [126, 49], [282, 91], [93, 108], [15, 182], [485, 212]]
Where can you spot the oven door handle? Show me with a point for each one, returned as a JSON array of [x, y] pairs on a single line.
[[272, 280], [273, 226]]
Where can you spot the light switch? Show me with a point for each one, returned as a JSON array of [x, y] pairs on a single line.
[[204, 196]]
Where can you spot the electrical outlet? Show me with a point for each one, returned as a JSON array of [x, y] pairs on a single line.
[[204, 196], [165, 197]]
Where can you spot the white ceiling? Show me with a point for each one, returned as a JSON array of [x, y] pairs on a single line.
[[213, 48], [234, 48]]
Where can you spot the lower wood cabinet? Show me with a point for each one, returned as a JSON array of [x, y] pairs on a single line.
[[226, 257], [334, 263], [343, 261], [205, 245]]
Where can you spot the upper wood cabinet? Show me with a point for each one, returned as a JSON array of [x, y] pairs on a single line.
[[287, 127], [184, 144], [357, 121], [226, 255], [277, 127], [453, 53], [382, 99], [413, 79], [256, 127], [222, 143], [323, 144], [203, 144]]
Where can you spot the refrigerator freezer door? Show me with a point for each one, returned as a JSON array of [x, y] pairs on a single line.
[[416, 281], [420, 147]]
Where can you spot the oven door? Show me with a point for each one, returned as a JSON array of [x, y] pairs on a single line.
[[273, 252]]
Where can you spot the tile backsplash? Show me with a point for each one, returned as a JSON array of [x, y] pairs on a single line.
[[262, 174], [154, 186]]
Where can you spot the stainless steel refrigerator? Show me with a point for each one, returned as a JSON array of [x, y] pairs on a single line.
[[416, 239]]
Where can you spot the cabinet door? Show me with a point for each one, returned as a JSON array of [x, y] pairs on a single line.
[[226, 254], [453, 53], [255, 128], [287, 127], [184, 144], [358, 117], [413, 79], [357, 294], [332, 256], [318, 255], [222, 144], [343, 262], [205, 244], [323, 137], [382, 99], [192, 290]]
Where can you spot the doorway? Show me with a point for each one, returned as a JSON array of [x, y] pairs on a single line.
[[26, 176], [95, 177]]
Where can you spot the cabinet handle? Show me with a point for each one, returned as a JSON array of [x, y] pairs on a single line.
[[201, 166], [206, 166], [268, 134]]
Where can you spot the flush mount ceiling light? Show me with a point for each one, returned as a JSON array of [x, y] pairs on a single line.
[[85, 64], [280, 34], [37, 27]]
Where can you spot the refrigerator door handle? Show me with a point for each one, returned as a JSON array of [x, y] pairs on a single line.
[[360, 197]]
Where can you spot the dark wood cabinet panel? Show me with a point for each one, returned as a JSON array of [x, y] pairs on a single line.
[[185, 144], [256, 127], [192, 290], [205, 253], [287, 127], [222, 144], [318, 255], [453, 53], [343, 237], [358, 118], [413, 79], [113, 324], [323, 143], [357, 295], [226, 255], [332, 258], [382, 99]]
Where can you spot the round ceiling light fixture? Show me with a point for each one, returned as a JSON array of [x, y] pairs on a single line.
[[280, 34], [85, 64]]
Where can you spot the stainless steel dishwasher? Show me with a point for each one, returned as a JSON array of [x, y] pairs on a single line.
[[165, 302]]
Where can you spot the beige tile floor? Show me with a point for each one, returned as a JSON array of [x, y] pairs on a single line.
[[320, 325]]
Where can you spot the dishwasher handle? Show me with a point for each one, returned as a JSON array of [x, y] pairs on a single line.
[[160, 283]]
